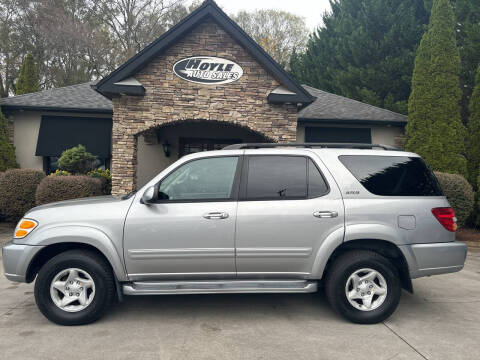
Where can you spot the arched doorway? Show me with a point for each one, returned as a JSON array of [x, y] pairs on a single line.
[[160, 146]]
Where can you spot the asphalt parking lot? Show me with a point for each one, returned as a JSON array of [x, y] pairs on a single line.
[[440, 321]]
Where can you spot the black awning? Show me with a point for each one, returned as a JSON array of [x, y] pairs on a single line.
[[58, 133]]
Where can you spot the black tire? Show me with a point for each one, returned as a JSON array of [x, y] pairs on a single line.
[[344, 266], [96, 267]]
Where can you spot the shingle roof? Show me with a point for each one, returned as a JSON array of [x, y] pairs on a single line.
[[82, 98], [79, 98], [331, 107]]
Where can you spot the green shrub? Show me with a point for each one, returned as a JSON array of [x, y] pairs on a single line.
[[58, 188], [76, 160], [7, 150], [17, 192], [60, 173], [459, 194], [105, 177]]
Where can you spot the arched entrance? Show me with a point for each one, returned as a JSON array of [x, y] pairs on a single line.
[[160, 146]]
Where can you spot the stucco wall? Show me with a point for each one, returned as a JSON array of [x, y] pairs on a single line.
[[26, 125], [168, 98], [387, 135], [25, 135]]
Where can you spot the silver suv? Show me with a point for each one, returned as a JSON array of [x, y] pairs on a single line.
[[363, 220]]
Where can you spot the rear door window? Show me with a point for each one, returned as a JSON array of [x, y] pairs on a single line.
[[393, 175], [276, 178], [283, 177]]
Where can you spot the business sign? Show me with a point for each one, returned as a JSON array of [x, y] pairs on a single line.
[[208, 70]]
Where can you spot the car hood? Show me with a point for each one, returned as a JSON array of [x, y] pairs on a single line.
[[95, 200]]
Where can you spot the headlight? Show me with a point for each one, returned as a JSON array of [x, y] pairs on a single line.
[[24, 227]]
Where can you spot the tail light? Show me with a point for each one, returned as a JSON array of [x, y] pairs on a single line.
[[446, 217]]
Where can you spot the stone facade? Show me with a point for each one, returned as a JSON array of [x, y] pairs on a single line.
[[170, 99]]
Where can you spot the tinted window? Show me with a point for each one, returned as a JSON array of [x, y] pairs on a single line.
[[277, 177], [200, 179], [392, 175], [316, 183]]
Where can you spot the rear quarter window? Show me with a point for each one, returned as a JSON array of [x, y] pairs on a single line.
[[392, 175]]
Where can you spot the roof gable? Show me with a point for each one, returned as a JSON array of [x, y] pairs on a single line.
[[111, 84], [330, 107]]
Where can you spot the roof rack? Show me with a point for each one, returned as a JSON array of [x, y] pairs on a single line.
[[309, 145]]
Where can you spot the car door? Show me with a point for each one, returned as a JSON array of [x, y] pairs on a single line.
[[288, 205], [189, 230]]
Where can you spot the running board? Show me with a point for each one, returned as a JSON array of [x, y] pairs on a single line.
[[219, 286]]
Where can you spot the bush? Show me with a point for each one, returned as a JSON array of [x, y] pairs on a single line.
[[459, 194], [17, 192], [58, 188], [60, 173], [7, 150], [76, 160], [105, 177]]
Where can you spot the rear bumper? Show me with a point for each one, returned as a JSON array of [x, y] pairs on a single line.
[[434, 259], [16, 259]]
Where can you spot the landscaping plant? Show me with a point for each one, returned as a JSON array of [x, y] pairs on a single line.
[[434, 129], [7, 150], [17, 192], [473, 139], [76, 160], [459, 194], [58, 188], [105, 177]]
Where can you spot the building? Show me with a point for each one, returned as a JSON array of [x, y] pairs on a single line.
[[202, 85]]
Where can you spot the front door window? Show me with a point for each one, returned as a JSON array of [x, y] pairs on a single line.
[[203, 179]]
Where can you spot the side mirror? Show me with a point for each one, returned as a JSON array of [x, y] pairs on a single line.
[[149, 195]]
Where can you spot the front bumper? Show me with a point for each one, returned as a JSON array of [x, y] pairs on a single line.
[[16, 259], [434, 259]]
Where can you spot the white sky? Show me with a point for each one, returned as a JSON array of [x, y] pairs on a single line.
[[311, 10]]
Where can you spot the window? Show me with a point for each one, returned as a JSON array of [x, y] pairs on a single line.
[[392, 175], [338, 134], [316, 183], [194, 145], [276, 177], [202, 179]]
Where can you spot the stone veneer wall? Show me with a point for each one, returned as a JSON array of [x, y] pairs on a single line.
[[169, 98]]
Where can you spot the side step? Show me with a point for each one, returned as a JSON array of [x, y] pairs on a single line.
[[219, 287]]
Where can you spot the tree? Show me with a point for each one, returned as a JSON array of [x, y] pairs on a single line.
[[434, 128], [7, 151], [364, 50], [76, 160], [468, 39], [28, 79], [136, 23], [278, 32], [473, 143]]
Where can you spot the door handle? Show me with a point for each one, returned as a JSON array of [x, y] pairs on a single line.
[[325, 214], [216, 215]]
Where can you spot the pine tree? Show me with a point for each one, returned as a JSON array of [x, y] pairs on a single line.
[[7, 151], [364, 50], [434, 129], [473, 144], [468, 40], [28, 79]]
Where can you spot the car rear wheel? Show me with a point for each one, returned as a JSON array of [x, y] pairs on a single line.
[[363, 286], [74, 288]]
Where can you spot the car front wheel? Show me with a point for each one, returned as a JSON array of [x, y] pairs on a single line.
[[363, 286], [74, 288]]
